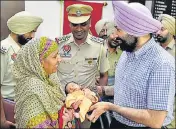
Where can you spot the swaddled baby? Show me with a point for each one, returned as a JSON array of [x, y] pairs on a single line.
[[75, 94]]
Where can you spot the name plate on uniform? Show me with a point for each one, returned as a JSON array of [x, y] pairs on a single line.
[[90, 60]]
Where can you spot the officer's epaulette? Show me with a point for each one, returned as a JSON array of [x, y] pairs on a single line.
[[96, 39], [63, 39], [3, 50]]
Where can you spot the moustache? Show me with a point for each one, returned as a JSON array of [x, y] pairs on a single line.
[[159, 36], [104, 37], [117, 41]]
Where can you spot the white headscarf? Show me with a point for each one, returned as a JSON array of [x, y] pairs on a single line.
[[23, 22]]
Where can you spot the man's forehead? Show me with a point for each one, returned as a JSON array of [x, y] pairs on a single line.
[[82, 22]]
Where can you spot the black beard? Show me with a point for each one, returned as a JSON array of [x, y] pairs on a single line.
[[104, 36], [161, 39], [125, 46], [22, 40], [113, 44]]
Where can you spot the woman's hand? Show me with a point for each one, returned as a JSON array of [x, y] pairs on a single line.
[[68, 115]]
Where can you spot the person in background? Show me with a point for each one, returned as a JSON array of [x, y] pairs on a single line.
[[83, 54], [23, 26], [145, 74], [166, 39], [105, 29], [167, 33]]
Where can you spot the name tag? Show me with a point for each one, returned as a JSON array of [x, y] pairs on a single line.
[[90, 58]]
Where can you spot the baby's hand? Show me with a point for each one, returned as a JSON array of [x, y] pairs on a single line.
[[76, 104], [87, 91]]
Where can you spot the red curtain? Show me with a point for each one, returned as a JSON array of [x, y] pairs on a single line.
[[96, 15]]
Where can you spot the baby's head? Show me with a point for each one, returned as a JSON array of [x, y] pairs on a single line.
[[71, 87]]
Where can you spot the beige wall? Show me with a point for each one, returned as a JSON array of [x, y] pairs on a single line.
[[8, 9]]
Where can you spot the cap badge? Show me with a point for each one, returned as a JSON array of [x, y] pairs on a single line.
[[78, 13]]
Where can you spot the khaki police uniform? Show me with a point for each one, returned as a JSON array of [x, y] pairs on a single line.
[[9, 48], [113, 60], [81, 63], [171, 49]]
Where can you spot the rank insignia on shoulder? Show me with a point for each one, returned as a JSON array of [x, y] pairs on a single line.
[[62, 39], [3, 50], [96, 39]]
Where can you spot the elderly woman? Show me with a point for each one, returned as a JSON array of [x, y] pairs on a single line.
[[38, 94]]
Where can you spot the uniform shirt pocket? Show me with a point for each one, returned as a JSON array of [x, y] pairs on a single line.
[[65, 68], [89, 63]]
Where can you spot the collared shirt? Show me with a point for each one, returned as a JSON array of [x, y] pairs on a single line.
[[171, 48], [145, 79], [80, 63], [113, 59], [9, 49]]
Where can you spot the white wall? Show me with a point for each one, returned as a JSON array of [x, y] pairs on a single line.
[[52, 13]]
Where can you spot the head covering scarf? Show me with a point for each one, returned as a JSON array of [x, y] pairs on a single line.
[[47, 46], [168, 22], [134, 18], [23, 22], [109, 25], [38, 98]]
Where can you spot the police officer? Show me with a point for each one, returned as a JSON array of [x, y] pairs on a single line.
[[83, 54], [23, 26], [166, 39], [106, 29]]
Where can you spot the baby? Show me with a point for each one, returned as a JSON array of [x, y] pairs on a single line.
[[75, 94]]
